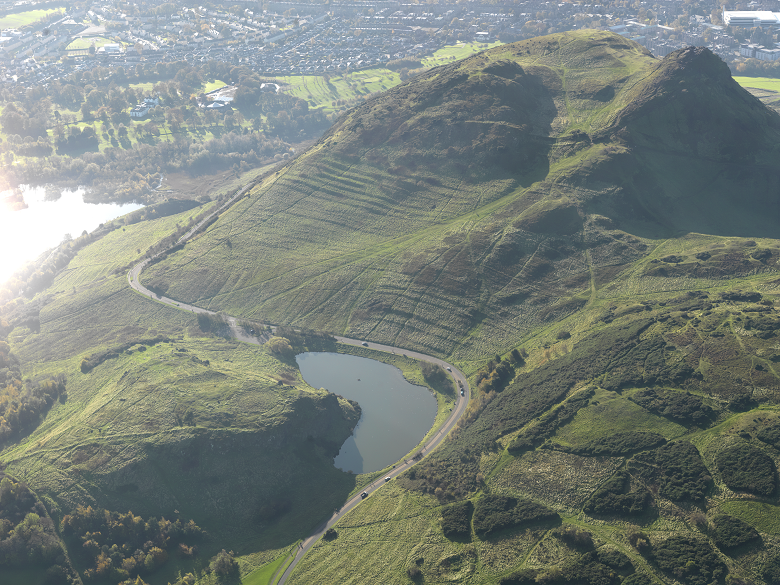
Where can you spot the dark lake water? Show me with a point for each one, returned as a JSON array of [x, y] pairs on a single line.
[[396, 414]]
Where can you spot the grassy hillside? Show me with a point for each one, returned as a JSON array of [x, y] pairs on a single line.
[[560, 216], [170, 420], [461, 212], [693, 370]]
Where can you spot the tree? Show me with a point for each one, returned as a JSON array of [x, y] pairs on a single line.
[[223, 564], [280, 346]]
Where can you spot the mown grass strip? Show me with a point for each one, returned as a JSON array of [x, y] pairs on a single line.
[[266, 574]]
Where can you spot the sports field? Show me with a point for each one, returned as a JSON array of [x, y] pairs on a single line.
[[759, 82], [20, 19]]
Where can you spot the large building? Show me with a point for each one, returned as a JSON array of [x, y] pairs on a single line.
[[751, 18]]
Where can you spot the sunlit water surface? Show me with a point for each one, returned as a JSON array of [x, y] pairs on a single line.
[[27, 233], [396, 414]]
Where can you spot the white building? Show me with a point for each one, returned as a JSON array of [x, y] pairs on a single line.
[[751, 18], [765, 54], [749, 49]]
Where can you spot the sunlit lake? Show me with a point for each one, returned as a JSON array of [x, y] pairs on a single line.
[[396, 414], [27, 233]]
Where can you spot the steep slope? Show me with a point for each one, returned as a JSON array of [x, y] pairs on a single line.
[[481, 200]]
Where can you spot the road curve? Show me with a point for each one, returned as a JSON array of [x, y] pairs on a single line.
[[133, 278]]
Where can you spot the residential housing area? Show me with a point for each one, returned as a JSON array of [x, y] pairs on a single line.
[[278, 37]]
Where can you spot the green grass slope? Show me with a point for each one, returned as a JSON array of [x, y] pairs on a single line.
[[170, 418], [483, 200], [698, 370]]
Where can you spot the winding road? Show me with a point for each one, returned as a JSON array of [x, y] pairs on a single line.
[[133, 278]]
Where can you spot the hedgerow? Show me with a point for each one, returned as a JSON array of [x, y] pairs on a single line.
[[494, 513], [745, 468], [92, 361]]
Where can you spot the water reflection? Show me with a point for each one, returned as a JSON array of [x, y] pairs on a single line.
[[396, 414], [27, 233]]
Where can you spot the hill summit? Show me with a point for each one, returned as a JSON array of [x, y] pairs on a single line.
[[492, 195]]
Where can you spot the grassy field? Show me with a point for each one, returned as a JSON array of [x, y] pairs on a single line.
[[769, 83], [212, 85], [333, 91], [456, 52], [264, 575], [321, 91], [19, 19], [87, 42]]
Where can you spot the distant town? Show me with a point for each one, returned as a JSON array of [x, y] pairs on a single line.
[[278, 38]]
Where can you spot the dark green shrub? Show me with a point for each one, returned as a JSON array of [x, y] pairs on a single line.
[[729, 532], [690, 560], [745, 468], [677, 468], [575, 537], [494, 513], [456, 519], [549, 423], [521, 577], [683, 407], [613, 497], [637, 579], [615, 559], [589, 572], [771, 571], [618, 444], [770, 434]]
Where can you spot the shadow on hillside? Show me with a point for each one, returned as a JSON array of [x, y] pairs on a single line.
[[671, 195]]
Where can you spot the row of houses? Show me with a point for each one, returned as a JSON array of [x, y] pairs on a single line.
[[759, 52]]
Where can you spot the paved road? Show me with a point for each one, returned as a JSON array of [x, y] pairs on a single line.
[[239, 333]]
